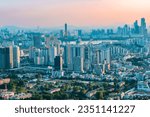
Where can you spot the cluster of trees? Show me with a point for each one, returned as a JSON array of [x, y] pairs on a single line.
[[136, 61], [17, 85], [58, 96], [73, 90]]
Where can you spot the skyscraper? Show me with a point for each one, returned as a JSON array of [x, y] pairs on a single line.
[[71, 54], [79, 33], [32, 52], [2, 58], [6, 58], [61, 33], [66, 31], [136, 27], [58, 63], [77, 58], [87, 58], [105, 56], [45, 55], [97, 57], [16, 57], [126, 30], [52, 54], [78, 64], [67, 55], [9, 57], [143, 29], [37, 40]]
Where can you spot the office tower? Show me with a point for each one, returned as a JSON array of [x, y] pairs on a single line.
[[136, 27], [66, 31], [16, 57], [143, 27], [58, 63], [6, 58], [37, 40]]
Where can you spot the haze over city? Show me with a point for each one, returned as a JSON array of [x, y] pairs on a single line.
[[53, 13], [75, 50]]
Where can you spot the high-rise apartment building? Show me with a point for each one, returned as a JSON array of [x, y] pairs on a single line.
[[58, 63], [105, 56], [52, 54], [16, 57], [6, 58], [78, 64]]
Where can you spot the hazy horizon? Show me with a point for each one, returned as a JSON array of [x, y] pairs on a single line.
[[80, 13]]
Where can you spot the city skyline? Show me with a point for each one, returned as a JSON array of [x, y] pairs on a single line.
[[53, 13]]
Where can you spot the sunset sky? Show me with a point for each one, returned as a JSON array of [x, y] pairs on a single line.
[[51, 13]]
